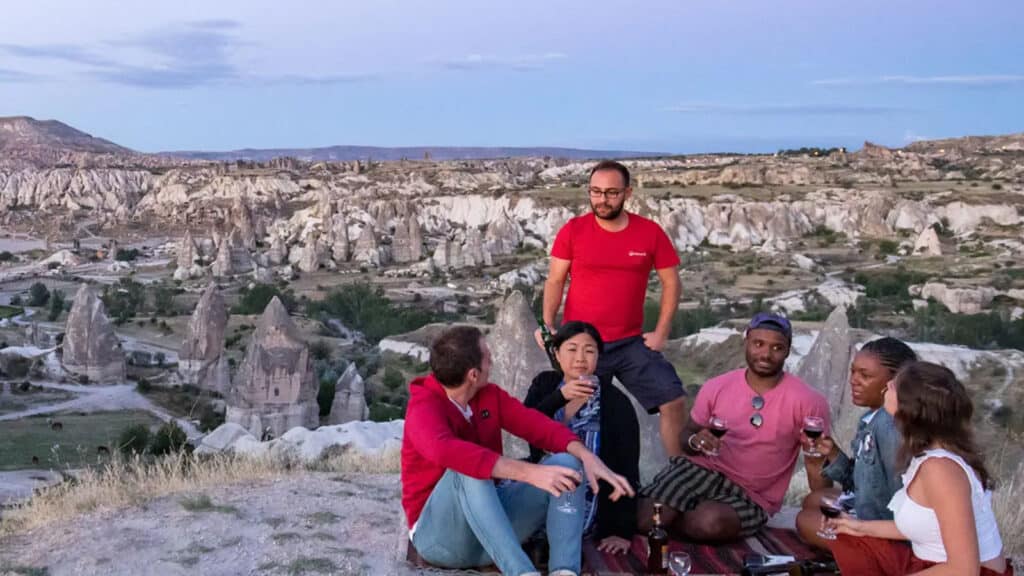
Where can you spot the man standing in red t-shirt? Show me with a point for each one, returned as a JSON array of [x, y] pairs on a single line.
[[609, 255]]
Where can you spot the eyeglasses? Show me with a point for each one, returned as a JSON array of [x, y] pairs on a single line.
[[608, 193], [757, 420]]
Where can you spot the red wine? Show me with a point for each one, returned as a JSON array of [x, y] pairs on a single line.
[[812, 433], [830, 511], [718, 432]]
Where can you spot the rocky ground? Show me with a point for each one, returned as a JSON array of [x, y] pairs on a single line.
[[308, 523]]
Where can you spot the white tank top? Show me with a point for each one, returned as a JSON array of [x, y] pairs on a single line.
[[921, 527]]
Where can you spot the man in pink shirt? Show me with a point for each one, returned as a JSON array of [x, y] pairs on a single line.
[[726, 487], [608, 254]]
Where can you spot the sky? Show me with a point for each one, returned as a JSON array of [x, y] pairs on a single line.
[[676, 76]]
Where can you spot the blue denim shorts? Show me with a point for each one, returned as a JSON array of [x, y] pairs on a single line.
[[645, 373]]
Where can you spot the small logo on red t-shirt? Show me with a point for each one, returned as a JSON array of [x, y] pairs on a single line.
[[634, 253]]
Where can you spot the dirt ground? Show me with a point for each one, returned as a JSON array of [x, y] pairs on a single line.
[[310, 523]]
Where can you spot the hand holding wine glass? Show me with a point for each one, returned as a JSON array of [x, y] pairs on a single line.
[[831, 509], [814, 427], [717, 427]]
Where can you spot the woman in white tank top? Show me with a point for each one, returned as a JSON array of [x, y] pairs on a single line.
[[944, 510]]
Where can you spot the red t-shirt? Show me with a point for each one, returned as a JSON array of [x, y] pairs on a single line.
[[609, 272]]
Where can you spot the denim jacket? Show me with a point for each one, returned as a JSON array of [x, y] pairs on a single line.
[[871, 475]]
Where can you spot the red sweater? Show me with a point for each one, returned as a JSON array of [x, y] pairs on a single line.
[[437, 437]]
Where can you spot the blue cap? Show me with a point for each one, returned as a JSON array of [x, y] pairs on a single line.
[[769, 321]]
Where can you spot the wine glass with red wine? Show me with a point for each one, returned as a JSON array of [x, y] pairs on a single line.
[[814, 427], [718, 427], [830, 509]]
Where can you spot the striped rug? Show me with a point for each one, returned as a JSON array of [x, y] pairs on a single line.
[[707, 559]]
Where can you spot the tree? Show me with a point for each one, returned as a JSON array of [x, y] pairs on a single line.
[[163, 300], [38, 294], [56, 305]]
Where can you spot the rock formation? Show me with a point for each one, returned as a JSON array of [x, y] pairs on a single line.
[[959, 300], [201, 361], [242, 221], [367, 250], [222, 264], [407, 243], [238, 245], [349, 398], [275, 388], [337, 238], [188, 254], [91, 348], [311, 255], [827, 368], [516, 358], [927, 243], [278, 253]]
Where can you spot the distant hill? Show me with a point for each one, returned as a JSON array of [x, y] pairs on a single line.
[[22, 135], [348, 153]]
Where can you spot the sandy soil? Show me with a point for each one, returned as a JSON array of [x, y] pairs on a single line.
[[311, 523]]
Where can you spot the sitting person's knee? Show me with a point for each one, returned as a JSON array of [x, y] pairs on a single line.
[[564, 459], [812, 500], [712, 521]]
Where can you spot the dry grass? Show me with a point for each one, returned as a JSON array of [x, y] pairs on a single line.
[[1006, 503], [127, 482]]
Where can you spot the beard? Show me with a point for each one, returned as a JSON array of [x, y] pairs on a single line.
[[772, 371], [609, 212]]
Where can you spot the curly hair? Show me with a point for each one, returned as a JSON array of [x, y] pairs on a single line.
[[933, 407]]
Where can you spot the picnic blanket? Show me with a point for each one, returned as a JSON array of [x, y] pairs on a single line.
[[707, 559]]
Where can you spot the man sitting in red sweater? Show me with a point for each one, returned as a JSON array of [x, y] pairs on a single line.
[[459, 516]]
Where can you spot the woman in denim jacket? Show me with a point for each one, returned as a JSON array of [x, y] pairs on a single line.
[[868, 477]]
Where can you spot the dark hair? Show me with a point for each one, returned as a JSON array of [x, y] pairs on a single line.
[[934, 408], [891, 353], [612, 165], [575, 328], [454, 353]]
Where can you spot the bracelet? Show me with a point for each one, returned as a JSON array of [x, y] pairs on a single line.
[[689, 441]]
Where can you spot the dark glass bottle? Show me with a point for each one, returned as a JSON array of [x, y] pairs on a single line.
[[549, 345], [657, 545]]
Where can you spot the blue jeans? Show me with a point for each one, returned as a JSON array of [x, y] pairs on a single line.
[[469, 522]]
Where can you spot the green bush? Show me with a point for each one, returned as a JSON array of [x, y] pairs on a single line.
[[362, 307], [126, 255], [16, 300], [6, 256], [143, 386], [163, 300], [168, 439], [935, 323], [38, 294], [56, 305], [134, 439], [209, 419], [685, 322], [254, 300], [888, 247], [393, 378], [325, 396], [889, 284], [320, 350], [124, 300]]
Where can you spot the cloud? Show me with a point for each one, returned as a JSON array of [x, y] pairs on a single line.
[[963, 80], [482, 62], [14, 76], [60, 52], [180, 56], [783, 109]]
